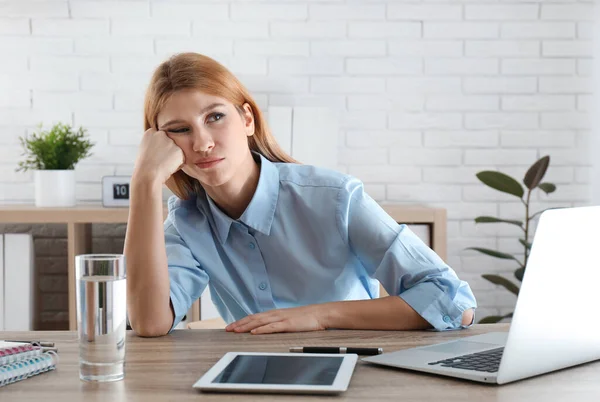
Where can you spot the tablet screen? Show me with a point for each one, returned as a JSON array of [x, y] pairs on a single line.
[[289, 370]]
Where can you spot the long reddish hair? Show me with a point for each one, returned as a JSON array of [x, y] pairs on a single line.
[[196, 71]]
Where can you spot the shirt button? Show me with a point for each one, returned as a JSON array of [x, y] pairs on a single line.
[[262, 286], [447, 319], [252, 246]]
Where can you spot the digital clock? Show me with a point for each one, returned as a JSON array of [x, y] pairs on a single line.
[[115, 191], [121, 191]]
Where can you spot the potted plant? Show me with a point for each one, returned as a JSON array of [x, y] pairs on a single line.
[[52, 155], [502, 182]]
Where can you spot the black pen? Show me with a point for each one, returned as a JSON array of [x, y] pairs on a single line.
[[337, 350]]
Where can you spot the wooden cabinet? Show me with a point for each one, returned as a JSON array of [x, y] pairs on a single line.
[[79, 222]]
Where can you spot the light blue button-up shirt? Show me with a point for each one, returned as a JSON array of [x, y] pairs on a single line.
[[309, 235]]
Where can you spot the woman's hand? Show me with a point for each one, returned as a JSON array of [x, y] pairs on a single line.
[[158, 157], [297, 319]]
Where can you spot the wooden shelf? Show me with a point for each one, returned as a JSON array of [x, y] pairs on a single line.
[[80, 218], [78, 214]]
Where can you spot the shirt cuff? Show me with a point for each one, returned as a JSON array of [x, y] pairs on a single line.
[[435, 306]]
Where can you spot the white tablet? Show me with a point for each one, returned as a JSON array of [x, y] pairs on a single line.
[[279, 373]]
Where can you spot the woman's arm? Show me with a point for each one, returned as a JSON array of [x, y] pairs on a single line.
[[148, 296], [150, 313], [386, 313], [406, 267]]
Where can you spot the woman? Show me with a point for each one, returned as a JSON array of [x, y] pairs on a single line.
[[283, 246]]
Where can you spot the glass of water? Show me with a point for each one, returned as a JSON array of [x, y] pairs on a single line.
[[101, 316]]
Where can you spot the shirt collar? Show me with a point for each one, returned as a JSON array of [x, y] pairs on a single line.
[[260, 211]]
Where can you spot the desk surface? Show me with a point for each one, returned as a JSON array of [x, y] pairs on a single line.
[[161, 369]]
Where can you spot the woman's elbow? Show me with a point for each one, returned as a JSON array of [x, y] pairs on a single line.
[[149, 329], [467, 318]]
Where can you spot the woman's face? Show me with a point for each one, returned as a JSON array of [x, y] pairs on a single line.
[[211, 132]]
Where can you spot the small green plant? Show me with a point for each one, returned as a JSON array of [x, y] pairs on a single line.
[[502, 182], [60, 148]]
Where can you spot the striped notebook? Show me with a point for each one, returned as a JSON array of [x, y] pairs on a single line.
[[19, 361]]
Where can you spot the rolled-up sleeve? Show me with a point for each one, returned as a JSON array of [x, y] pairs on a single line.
[[405, 266], [186, 277]]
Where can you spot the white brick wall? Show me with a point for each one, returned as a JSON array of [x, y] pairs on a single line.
[[538, 30], [538, 67], [428, 93], [460, 30], [502, 12]]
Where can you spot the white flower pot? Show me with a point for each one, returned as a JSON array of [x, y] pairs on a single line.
[[54, 188]]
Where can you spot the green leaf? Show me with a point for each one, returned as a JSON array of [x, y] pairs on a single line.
[[501, 182], [536, 172], [547, 187], [526, 244], [491, 219], [493, 253], [60, 148], [498, 280], [519, 273], [491, 319]]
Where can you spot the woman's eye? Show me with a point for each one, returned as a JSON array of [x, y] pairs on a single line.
[[179, 130], [215, 117]]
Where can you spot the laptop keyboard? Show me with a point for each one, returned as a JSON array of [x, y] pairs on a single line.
[[488, 361]]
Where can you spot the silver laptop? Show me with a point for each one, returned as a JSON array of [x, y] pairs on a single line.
[[555, 323]]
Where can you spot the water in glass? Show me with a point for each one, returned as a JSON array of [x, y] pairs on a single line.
[[102, 325]]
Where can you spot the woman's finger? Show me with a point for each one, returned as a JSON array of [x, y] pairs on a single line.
[[274, 327], [242, 321], [255, 323]]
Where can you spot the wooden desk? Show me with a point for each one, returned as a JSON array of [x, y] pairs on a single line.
[[79, 221], [161, 369]]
